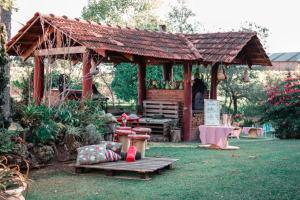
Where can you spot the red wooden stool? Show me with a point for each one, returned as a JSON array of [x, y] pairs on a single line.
[[139, 141], [121, 128], [123, 138], [143, 131]]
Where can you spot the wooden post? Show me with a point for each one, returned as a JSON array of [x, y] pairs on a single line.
[[167, 71], [38, 80], [187, 109], [141, 83], [214, 81], [87, 79]]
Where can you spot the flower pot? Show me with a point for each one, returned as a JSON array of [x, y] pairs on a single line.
[[15, 194]]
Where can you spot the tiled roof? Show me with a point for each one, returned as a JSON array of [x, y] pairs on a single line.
[[209, 48], [229, 47], [132, 41]]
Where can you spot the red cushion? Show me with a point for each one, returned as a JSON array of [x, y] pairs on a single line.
[[124, 132], [131, 154], [124, 128]]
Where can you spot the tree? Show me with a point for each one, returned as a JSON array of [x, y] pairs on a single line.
[[135, 13], [262, 32], [5, 22], [6, 7], [180, 18], [3, 76], [236, 89], [124, 83], [233, 88]]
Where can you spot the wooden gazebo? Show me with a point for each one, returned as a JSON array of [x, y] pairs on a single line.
[[76, 39]]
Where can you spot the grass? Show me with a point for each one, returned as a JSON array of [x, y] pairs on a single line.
[[259, 170]]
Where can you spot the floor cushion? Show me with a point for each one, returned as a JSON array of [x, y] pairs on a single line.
[[91, 154], [114, 146]]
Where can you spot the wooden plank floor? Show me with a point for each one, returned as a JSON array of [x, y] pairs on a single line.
[[143, 167]]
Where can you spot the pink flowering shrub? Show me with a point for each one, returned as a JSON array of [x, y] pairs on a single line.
[[283, 108]]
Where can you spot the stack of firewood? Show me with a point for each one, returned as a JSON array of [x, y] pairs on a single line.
[[198, 119]]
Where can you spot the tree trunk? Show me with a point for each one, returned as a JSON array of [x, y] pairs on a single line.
[[235, 105], [230, 103], [108, 85], [5, 18]]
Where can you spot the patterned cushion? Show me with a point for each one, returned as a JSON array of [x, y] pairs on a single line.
[[112, 156], [91, 154], [114, 146]]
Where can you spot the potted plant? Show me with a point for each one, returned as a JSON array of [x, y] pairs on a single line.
[[12, 182]]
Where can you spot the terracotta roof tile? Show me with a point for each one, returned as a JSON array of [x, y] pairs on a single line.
[[226, 47]]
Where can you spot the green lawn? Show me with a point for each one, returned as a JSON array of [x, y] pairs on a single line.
[[259, 170]]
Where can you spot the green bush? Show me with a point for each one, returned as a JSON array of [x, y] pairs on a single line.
[[45, 123], [6, 143], [283, 108], [40, 120], [25, 85], [72, 83]]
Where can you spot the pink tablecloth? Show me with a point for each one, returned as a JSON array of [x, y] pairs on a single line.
[[215, 135], [260, 131]]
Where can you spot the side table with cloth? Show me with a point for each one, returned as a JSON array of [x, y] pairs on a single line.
[[215, 135], [259, 131]]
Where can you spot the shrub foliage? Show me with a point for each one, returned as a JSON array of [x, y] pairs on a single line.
[[283, 108]]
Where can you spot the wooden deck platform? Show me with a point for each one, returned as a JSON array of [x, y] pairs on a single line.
[[142, 167]]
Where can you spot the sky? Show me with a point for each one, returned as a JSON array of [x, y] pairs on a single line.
[[280, 17]]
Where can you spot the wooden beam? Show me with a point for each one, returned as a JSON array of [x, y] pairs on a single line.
[[37, 43], [87, 79], [58, 39], [187, 109], [128, 56], [141, 83], [23, 32], [38, 80], [214, 81], [60, 51]]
